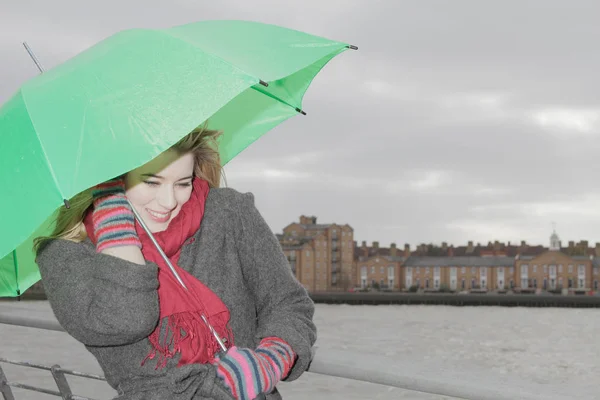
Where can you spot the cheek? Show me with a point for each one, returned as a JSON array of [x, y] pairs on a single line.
[[139, 195], [183, 196]]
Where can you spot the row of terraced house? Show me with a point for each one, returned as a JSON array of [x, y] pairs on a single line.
[[325, 257]]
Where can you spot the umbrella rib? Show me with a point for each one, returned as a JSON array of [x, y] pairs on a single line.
[[299, 110]]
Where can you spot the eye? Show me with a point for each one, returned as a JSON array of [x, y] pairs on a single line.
[[151, 183], [184, 184]]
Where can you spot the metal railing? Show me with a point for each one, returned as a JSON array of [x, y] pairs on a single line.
[[408, 374], [58, 373]]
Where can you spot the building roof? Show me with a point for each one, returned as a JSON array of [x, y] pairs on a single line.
[[461, 261]]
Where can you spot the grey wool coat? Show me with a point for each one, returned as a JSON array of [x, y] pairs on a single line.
[[111, 305]]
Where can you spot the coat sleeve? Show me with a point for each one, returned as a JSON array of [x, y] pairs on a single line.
[[99, 299], [284, 308]]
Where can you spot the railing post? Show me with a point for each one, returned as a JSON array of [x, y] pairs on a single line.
[[6, 391], [61, 382]]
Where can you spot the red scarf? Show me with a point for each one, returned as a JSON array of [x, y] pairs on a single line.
[[183, 308]]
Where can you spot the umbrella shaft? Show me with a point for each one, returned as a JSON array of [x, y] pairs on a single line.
[[166, 259], [33, 57]]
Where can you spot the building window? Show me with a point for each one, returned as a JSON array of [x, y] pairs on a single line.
[[545, 269], [570, 269], [372, 270], [463, 270], [534, 268], [560, 269], [462, 284], [473, 271], [426, 270], [307, 253], [418, 269], [381, 270]]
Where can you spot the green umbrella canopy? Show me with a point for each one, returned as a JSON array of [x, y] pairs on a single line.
[[130, 97]]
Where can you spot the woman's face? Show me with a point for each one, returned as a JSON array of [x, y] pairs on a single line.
[[158, 189]]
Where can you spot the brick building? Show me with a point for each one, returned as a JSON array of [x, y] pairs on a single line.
[[320, 255], [325, 257]]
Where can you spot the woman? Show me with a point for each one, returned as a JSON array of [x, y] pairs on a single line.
[[112, 291]]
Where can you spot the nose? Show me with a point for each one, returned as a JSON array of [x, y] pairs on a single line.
[[166, 197]]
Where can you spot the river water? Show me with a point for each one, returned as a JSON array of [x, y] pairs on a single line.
[[542, 345]]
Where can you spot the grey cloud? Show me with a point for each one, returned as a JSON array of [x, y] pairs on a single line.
[[445, 92]]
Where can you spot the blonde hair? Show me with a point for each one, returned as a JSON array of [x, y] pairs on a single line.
[[201, 142]]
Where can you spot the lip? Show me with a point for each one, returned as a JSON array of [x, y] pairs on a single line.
[[154, 215]]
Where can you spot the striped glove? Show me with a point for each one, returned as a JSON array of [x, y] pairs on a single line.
[[113, 220], [248, 373]]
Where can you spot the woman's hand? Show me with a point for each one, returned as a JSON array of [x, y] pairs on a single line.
[[114, 222], [248, 373]]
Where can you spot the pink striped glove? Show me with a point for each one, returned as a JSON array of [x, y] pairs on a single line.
[[113, 220], [248, 373]]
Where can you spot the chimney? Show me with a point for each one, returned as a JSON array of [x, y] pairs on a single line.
[[584, 244], [304, 220], [393, 250], [376, 245], [571, 244], [406, 250], [364, 249], [497, 245], [597, 249], [444, 246], [470, 247], [451, 251]]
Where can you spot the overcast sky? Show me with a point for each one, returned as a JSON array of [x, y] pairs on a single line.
[[455, 120]]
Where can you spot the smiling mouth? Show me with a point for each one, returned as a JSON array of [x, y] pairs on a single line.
[[159, 217]]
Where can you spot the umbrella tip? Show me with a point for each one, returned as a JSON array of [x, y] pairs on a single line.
[[265, 84], [67, 204], [300, 111], [352, 47]]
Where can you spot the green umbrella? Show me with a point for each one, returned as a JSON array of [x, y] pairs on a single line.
[[125, 100]]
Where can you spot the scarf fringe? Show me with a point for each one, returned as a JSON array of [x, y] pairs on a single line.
[[177, 338]]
